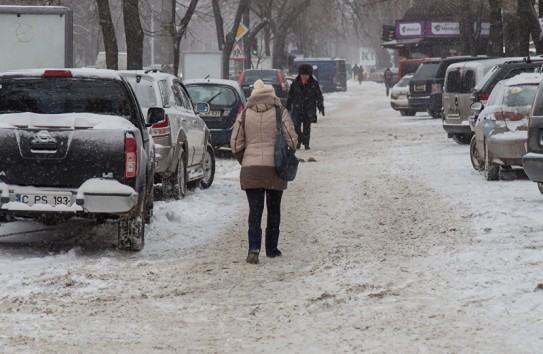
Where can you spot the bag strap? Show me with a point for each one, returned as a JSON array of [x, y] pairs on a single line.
[[278, 120]]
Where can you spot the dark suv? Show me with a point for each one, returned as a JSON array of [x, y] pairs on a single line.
[[426, 86], [273, 77], [533, 160]]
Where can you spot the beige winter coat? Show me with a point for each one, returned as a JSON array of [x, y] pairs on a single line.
[[253, 142]]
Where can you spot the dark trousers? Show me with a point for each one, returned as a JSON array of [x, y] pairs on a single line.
[[302, 126], [256, 207]]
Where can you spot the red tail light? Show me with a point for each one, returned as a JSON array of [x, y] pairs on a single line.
[[57, 73], [436, 88], [284, 88], [511, 116], [240, 80], [483, 97], [130, 157], [161, 128]]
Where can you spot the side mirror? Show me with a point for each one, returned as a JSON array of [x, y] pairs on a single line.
[[155, 115], [202, 107], [477, 106]]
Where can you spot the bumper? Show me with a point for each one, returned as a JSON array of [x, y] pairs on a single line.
[[463, 128], [163, 157], [431, 102], [507, 150], [221, 137], [399, 104], [533, 166], [96, 196]]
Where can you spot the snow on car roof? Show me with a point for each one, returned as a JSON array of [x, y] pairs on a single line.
[[524, 78], [76, 72]]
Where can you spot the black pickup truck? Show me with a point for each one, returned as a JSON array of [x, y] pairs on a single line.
[[74, 144]]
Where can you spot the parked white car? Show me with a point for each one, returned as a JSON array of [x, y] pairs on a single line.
[[398, 96], [184, 152]]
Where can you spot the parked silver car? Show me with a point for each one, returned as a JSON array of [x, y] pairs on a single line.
[[501, 127], [184, 153], [398, 97]]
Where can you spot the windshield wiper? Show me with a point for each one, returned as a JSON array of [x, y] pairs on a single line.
[[215, 96]]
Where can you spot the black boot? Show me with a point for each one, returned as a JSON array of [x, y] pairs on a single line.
[[272, 238], [255, 242]]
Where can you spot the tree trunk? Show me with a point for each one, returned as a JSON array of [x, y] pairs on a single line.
[[133, 34], [511, 36], [219, 24], [166, 39], [231, 38], [108, 34], [180, 32], [532, 27], [495, 39]]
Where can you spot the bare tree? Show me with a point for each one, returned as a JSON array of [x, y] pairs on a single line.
[[108, 34], [229, 40], [495, 39], [180, 32]]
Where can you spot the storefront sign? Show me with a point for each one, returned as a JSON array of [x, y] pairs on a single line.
[[409, 29], [434, 29], [442, 29]]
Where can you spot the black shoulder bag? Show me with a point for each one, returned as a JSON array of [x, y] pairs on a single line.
[[286, 162]]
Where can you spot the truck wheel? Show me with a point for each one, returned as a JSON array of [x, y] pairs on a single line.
[[476, 161], [403, 112], [149, 204], [434, 114], [209, 168], [462, 139], [492, 170], [131, 233], [176, 186]]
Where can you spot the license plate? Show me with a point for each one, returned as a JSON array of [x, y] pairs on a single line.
[[44, 198], [214, 114], [420, 87]]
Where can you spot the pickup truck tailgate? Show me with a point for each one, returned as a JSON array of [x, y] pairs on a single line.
[[60, 157]]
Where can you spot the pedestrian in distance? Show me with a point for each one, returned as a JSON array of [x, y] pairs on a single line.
[[355, 72], [253, 144], [360, 74], [303, 100], [387, 76]]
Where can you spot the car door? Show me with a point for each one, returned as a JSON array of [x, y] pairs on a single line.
[[453, 84], [191, 123]]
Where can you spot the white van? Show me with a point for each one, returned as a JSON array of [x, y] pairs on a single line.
[[460, 79]]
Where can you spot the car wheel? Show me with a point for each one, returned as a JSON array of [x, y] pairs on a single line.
[[434, 114], [404, 113], [176, 186], [540, 187], [462, 139], [131, 234], [411, 112], [209, 168], [476, 161], [492, 170]]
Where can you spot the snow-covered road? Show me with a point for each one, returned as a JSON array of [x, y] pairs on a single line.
[[392, 243]]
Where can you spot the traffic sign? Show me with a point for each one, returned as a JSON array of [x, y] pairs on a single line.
[[237, 52], [242, 31]]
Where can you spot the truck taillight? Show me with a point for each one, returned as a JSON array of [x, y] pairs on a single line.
[[162, 128], [482, 97], [284, 88], [130, 156], [57, 73], [436, 88]]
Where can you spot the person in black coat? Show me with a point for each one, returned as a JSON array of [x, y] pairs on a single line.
[[304, 98]]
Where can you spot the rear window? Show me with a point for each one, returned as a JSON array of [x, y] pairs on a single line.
[[426, 70], [498, 75], [212, 94], [453, 83], [518, 96], [63, 95], [144, 90], [268, 76], [404, 81]]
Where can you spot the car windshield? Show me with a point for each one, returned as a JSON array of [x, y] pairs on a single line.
[[426, 70], [265, 75], [144, 90], [212, 94], [520, 95], [62, 95]]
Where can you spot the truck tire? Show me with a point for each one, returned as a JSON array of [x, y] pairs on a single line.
[[176, 186], [462, 139], [492, 170], [476, 161], [131, 235], [148, 209]]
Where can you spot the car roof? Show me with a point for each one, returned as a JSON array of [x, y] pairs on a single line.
[[147, 73], [225, 82], [524, 78]]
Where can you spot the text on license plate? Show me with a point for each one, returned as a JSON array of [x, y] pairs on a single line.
[[420, 87], [50, 199]]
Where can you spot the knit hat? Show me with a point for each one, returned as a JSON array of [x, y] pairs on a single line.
[[305, 69], [262, 89]]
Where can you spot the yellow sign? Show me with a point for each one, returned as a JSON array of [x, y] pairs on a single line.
[[242, 31]]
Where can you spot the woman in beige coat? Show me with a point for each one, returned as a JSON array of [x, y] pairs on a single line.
[[253, 144]]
